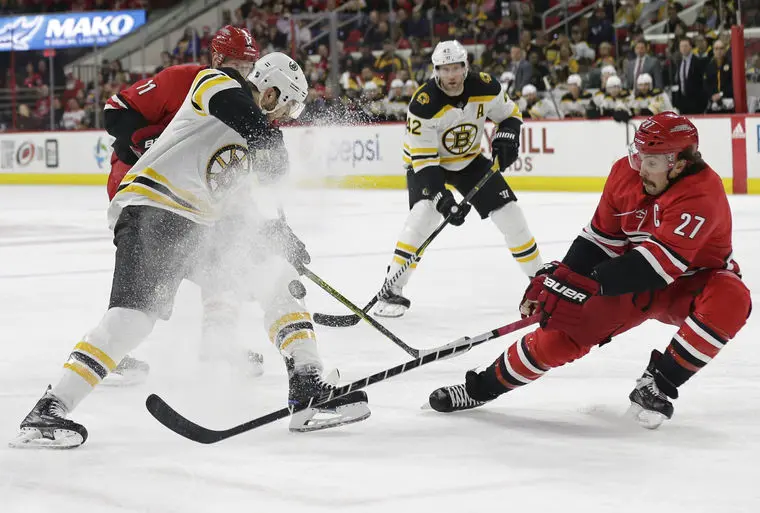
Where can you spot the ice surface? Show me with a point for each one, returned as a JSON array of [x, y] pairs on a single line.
[[558, 445]]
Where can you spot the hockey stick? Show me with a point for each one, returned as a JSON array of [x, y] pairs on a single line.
[[343, 321], [169, 417], [359, 313]]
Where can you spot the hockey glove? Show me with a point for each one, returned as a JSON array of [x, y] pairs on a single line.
[[529, 303], [506, 144], [448, 207], [562, 298], [281, 239], [143, 138], [621, 115]]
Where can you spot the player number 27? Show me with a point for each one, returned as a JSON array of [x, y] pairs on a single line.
[[687, 218]]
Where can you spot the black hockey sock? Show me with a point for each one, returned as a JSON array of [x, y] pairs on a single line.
[[485, 385]]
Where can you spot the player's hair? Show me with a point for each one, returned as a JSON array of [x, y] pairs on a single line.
[[694, 160]]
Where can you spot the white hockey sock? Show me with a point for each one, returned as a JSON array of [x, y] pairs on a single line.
[[510, 220], [219, 337], [422, 220], [99, 352]]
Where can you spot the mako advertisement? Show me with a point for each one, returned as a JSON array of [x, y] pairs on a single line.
[[41, 32]]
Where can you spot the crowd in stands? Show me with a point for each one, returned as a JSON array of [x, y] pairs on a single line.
[[385, 55]]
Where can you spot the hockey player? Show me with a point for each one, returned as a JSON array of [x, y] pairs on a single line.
[[444, 128], [533, 107], [575, 102], [647, 101], [614, 101], [136, 117], [163, 210], [658, 247]]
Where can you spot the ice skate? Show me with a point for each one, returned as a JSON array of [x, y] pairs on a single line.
[[457, 397], [130, 371], [46, 427], [307, 382], [391, 303], [649, 405]]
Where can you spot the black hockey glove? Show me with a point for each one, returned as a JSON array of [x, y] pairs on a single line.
[[506, 143], [447, 206], [621, 115], [281, 239]]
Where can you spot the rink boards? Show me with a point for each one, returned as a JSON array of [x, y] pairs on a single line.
[[566, 155]]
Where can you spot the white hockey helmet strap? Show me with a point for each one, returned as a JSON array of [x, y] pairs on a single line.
[[449, 52], [280, 71]]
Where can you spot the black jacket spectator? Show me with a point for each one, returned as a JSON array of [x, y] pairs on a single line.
[[718, 80], [600, 29], [688, 74]]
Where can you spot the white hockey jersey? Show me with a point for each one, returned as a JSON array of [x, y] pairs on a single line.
[[447, 131], [195, 162]]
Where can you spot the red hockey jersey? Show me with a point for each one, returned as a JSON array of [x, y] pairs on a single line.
[[685, 229], [157, 99]]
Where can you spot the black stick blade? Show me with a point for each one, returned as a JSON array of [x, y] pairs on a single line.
[[336, 321], [167, 416]]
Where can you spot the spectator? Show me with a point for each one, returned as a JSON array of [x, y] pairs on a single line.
[[368, 76], [390, 62], [530, 20], [188, 46], [526, 41], [25, 121], [74, 116], [520, 67], [57, 112], [642, 63], [604, 57], [538, 70], [710, 15], [366, 60], [701, 48], [32, 79], [73, 86], [42, 71], [6, 7], [166, 61], [417, 26], [673, 19], [206, 38], [564, 65], [372, 35], [582, 52], [42, 105], [422, 68], [700, 27], [719, 86], [506, 35], [688, 91], [551, 50], [628, 13], [600, 28]]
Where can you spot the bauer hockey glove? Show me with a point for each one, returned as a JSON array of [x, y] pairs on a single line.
[[529, 303], [143, 138], [505, 144], [283, 241], [448, 206], [562, 298]]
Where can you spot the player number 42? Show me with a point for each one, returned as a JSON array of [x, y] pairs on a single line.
[[685, 225], [413, 126]]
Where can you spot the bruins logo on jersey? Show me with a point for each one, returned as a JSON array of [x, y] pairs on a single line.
[[423, 98], [225, 166], [459, 139], [485, 77]]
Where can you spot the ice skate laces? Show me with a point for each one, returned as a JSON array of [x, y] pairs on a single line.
[[460, 398]]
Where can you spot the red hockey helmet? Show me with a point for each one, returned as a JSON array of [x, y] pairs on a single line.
[[235, 43], [666, 133]]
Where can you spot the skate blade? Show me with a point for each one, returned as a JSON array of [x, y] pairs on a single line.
[[390, 311], [124, 379], [646, 418], [306, 421], [31, 438]]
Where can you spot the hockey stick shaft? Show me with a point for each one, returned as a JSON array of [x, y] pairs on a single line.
[[340, 297], [353, 319], [169, 417]]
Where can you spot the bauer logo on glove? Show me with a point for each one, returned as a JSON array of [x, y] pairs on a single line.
[[560, 288]]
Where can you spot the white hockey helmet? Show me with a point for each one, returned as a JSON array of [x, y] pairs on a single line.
[[609, 69], [613, 81], [397, 82], [644, 78], [575, 79], [507, 78], [449, 52], [280, 71], [529, 89]]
